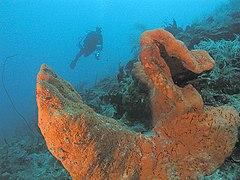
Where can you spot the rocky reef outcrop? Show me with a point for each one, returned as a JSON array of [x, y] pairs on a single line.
[[188, 139], [28, 158], [223, 23]]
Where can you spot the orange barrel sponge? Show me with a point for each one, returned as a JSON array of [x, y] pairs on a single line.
[[91, 146], [156, 46]]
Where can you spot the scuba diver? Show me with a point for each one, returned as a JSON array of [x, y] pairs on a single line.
[[92, 42]]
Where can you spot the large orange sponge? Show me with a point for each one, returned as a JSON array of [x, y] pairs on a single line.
[[173, 99], [187, 144]]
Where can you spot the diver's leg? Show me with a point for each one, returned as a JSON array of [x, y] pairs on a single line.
[[74, 62]]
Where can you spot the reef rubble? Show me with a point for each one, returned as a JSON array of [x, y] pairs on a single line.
[[188, 139]]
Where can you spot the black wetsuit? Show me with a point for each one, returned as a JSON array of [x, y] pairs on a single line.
[[92, 42]]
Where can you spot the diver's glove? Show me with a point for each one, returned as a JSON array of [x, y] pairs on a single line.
[[97, 55], [73, 64]]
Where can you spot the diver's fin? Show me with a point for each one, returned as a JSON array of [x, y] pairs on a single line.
[[73, 64]]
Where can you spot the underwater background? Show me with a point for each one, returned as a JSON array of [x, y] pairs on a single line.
[[47, 32]]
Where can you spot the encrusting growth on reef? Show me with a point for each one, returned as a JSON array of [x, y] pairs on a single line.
[[189, 139]]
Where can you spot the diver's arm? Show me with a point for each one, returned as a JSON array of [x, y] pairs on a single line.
[[100, 43]]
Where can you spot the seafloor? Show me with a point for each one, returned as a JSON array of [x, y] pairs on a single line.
[[119, 97]]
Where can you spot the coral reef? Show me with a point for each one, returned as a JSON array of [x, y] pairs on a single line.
[[172, 27], [124, 98], [101, 95], [128, 99], [224, 23], [189, 140], [226, 71], [27, 159], [227, 56]]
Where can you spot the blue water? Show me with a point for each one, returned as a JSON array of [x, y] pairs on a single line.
[[44, 31]]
